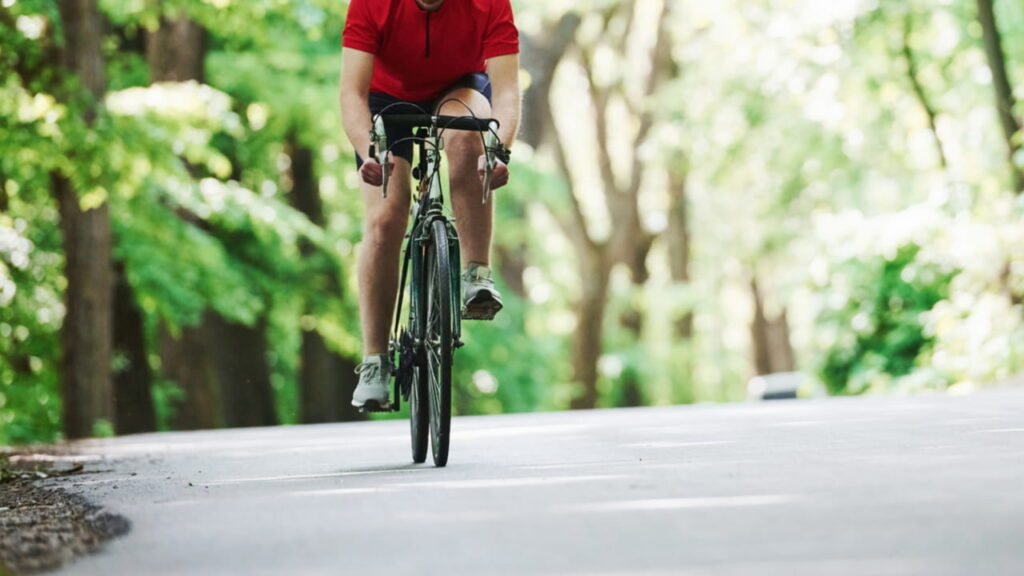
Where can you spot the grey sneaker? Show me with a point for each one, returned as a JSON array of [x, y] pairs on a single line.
[[372, 393], [480, 299]]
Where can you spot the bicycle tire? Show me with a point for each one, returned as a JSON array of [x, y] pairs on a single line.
[[438, 341], [419, 409]]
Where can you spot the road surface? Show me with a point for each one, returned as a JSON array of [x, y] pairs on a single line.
[[868, 486]]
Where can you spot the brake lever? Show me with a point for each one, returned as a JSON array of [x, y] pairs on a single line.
[[488, 172], [379, 150], [491, 144]]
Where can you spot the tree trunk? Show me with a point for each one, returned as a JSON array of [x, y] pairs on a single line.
[[772, 349], [326, 380], [632, 319], [87, 332], [5, 199], [540, 58], [319, 392], [176, 51], [185, 361], [679, 245], [86, 335], [133, 377], [1005, 101], [81, 54], [588, 344], [919, 91], [240, 353], [631, 388]]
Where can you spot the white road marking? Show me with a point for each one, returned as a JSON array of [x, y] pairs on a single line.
[[800, 423], [507, 482], [682, 503], [519, 431], [676, 444], [309, 476], [340, 492], [578, 465]]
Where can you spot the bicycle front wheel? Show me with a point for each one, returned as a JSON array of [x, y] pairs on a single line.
[[437, 341]]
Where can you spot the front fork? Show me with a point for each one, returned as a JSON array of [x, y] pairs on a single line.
[[455, 269], [419, 243], [415, 251], [455, 274], [416, 248]]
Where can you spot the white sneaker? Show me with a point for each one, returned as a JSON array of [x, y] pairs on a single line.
[[480, 299], [373, 391]]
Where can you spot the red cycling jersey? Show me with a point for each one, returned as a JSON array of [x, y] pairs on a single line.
[[419, 53]]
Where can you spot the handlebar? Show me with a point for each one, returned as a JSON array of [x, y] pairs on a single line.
[[489, 126], [443, 122]]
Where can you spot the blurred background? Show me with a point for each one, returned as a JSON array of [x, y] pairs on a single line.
[[710, 201]]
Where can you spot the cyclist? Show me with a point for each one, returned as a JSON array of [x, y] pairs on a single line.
[[429, 53]]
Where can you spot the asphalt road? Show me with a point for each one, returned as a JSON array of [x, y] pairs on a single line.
[[929, 485]]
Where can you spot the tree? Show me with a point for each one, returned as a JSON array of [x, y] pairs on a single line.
[[773, 351], [918, 88], [175, 52], [85, 222], [1006, 103], [628, 242], [133, 377], [326, 379]]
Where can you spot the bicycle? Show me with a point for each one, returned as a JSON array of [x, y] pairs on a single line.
[[424, 347]]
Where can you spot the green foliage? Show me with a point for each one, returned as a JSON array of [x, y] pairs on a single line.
[[879, 328], [30, 316], [31, 256], [508, 365]]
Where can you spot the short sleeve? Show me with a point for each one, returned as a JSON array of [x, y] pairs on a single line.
[[502, 36], [361, 31]]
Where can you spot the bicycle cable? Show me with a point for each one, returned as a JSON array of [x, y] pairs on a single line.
[[483, 142]]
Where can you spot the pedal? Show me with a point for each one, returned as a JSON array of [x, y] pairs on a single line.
[[482, 310], [372, 406]]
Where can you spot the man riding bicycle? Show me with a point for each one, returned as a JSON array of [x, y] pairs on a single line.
[[452, 58]]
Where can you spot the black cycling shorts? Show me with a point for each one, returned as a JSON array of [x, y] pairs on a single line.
[[478, 81]]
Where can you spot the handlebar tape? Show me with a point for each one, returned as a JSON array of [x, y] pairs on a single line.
[[442, 122]]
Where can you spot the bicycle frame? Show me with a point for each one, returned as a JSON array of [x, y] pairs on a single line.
[[427, 207]]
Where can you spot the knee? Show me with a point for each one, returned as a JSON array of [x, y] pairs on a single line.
[[385, 228], [463, 146]]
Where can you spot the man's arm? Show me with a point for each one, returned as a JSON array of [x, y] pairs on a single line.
[[356, 72], [506, 99], [505, 103]]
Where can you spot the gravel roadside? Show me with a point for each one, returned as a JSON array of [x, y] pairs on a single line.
[[42, 525]]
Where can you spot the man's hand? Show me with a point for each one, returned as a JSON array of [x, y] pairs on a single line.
[[372, 172], [499, 177]]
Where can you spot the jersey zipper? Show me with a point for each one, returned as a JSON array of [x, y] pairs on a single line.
[[426, 47]]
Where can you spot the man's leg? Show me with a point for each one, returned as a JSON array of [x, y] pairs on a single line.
[[384, 224], [473, 218]]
